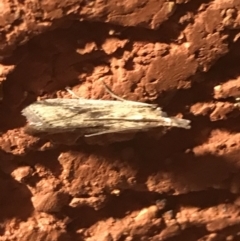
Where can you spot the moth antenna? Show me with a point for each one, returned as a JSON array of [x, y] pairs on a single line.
[[111, 92], [72, 93], [122, 99], [106, 87]]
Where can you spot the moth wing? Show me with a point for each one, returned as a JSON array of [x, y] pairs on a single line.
[[95, 117]]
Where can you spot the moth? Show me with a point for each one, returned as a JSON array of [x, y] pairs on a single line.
[[90, 117]]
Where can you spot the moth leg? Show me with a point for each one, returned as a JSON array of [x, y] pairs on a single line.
[[114, 131]]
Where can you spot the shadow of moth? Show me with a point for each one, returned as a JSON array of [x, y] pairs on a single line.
[[96, 117]]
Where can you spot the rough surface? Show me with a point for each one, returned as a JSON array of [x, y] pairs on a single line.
[[183, 55]]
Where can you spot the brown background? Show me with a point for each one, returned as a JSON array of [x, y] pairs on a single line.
[[183, 55]]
